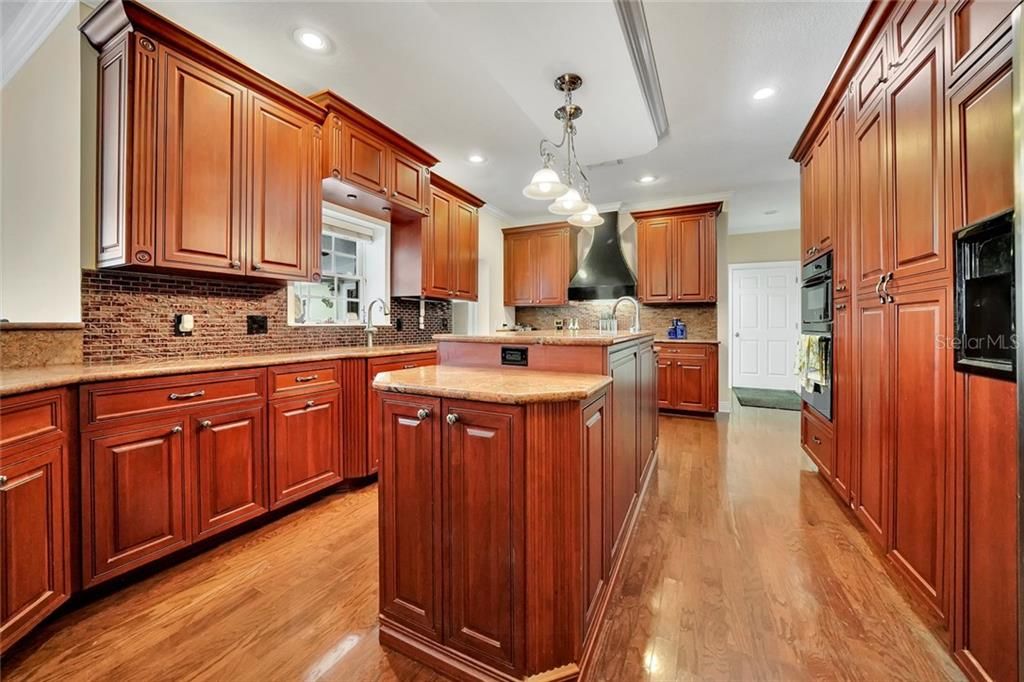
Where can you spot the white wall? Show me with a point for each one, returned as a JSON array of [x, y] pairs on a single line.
[[41, 177], [489, 313]]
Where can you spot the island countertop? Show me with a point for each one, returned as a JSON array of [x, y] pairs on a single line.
[[550, 337], [492, 385]]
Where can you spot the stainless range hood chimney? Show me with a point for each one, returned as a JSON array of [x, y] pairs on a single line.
[[603, 272]]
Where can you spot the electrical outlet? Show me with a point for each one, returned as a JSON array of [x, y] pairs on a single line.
[[183, 326], [255, 324], [398, 324]]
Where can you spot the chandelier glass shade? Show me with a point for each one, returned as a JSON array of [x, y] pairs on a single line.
[[569, 188]]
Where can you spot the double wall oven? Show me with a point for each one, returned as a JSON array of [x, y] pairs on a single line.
[[816, 320]]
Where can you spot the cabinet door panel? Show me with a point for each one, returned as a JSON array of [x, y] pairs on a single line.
[[410, 182], [871, 349], [648, 409], [689, 249], [910, 22], [364, 159], [824, 190], [305, 454], [200, 172], [34, 579], [655, 270], [807, 237], [843, 423], [482, 457], [437, 247], [519, 270], [870, 232], [550, 252], [921, 392], [666, 381], [464, 251], [229, 468], [691, 388], [375, 408], [410, 509], [841, 224], [625, 374], [596, 456], [133, 498], [281, 221], [917, 144]]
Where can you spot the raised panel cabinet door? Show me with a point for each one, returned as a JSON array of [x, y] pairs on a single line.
[[133, 498], [229, 469], [34, 540], [917, 115], [909, 24], [843, 422], [973, 25], [807, 237], [870, 79], [690, 255], [305, 446], [648, 409], [870, 236], [410, 182], [624, 371], [375, 411], [465, 260], [666, 382], [824, 190], [364, 159], [596, 458], [551, 253], [483, 462], [841, 225], [691, 383], [653, 260], [200, 167], [520, 281], [438, 242], [710, 271], [922, 366], [871, 352], [281, 215], [410, 514]]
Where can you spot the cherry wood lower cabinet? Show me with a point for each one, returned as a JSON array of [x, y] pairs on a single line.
[[493, 549], [305, 445], [688, 377], [35, 525]]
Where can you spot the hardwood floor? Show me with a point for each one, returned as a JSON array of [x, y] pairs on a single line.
[[743, 567]]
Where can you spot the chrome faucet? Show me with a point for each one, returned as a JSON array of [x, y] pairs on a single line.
[[368, 319], [636, 311]]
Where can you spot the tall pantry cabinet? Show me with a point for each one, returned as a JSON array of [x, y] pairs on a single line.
[[911, 142]]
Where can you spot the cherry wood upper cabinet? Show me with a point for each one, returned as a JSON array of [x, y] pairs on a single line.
[[133, 498], [199, 197], [283, 221], [229, 460], [410, 509], [909, 24], [841, 227], [677, 254], [367, 166], [437, 256], [869, 221], [539, 262], [186, 134]]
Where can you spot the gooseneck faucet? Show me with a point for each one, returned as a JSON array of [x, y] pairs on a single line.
[[636, 311], [368, 319]]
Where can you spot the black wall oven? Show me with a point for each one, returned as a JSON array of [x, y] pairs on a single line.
[[816, 320]]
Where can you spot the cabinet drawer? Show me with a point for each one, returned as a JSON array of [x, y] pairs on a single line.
[[29, 416], [123, 399], [816, 438], [690, 350], [396, 362], [309, 377]]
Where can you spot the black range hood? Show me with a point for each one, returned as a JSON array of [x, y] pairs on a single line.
[[603, 272]]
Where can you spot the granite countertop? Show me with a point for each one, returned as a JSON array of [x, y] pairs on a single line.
[[24, 379], [507, 386], [550, 337], [665, 339]]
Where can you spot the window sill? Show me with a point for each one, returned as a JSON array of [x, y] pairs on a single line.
[[344, 325]]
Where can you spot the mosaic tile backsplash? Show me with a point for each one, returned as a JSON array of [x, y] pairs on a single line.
[[129, 316], [701, 320]]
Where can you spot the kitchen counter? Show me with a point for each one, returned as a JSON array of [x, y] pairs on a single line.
[[665, 339], [23, 379], [492, 385], [550, 337]]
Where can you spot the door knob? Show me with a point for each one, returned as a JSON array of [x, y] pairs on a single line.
[[737, 335], [422, 413], [452, 418]]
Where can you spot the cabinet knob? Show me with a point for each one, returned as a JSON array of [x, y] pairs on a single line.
[[257, 266], [235, 265], [452, 418], [422, 413], [336, 174], [310, 403], [383, 190], [3, 480], [177, 429], [205, 424], [817, 441]]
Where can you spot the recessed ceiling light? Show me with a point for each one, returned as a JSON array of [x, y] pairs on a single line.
[[311, 40], [772, 211], [476, 158], [646, 179], [764, 93]]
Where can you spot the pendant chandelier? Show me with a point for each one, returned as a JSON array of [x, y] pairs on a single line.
[[570, 189]]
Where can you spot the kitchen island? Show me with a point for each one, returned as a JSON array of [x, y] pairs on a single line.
[[507, 496]]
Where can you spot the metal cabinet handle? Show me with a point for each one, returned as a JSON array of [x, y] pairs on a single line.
[[409, 366], [382, 190], [3, 480], [177, 429], [896, 64], [186, 396], [452, 418], [205, 424], [310, 403], [885, 288], [878, 289], [235, 265], [257, 266], [336, 174], [422, 413], [817, 441], [840, 306], [311, 377]]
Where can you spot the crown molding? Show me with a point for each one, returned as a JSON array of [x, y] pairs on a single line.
[[33, 25]]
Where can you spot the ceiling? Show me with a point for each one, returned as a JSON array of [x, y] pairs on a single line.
[[476, 77]]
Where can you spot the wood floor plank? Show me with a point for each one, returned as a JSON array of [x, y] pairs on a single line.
[[744, 566]]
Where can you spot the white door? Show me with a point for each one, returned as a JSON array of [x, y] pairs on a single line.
[[764, 300]]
